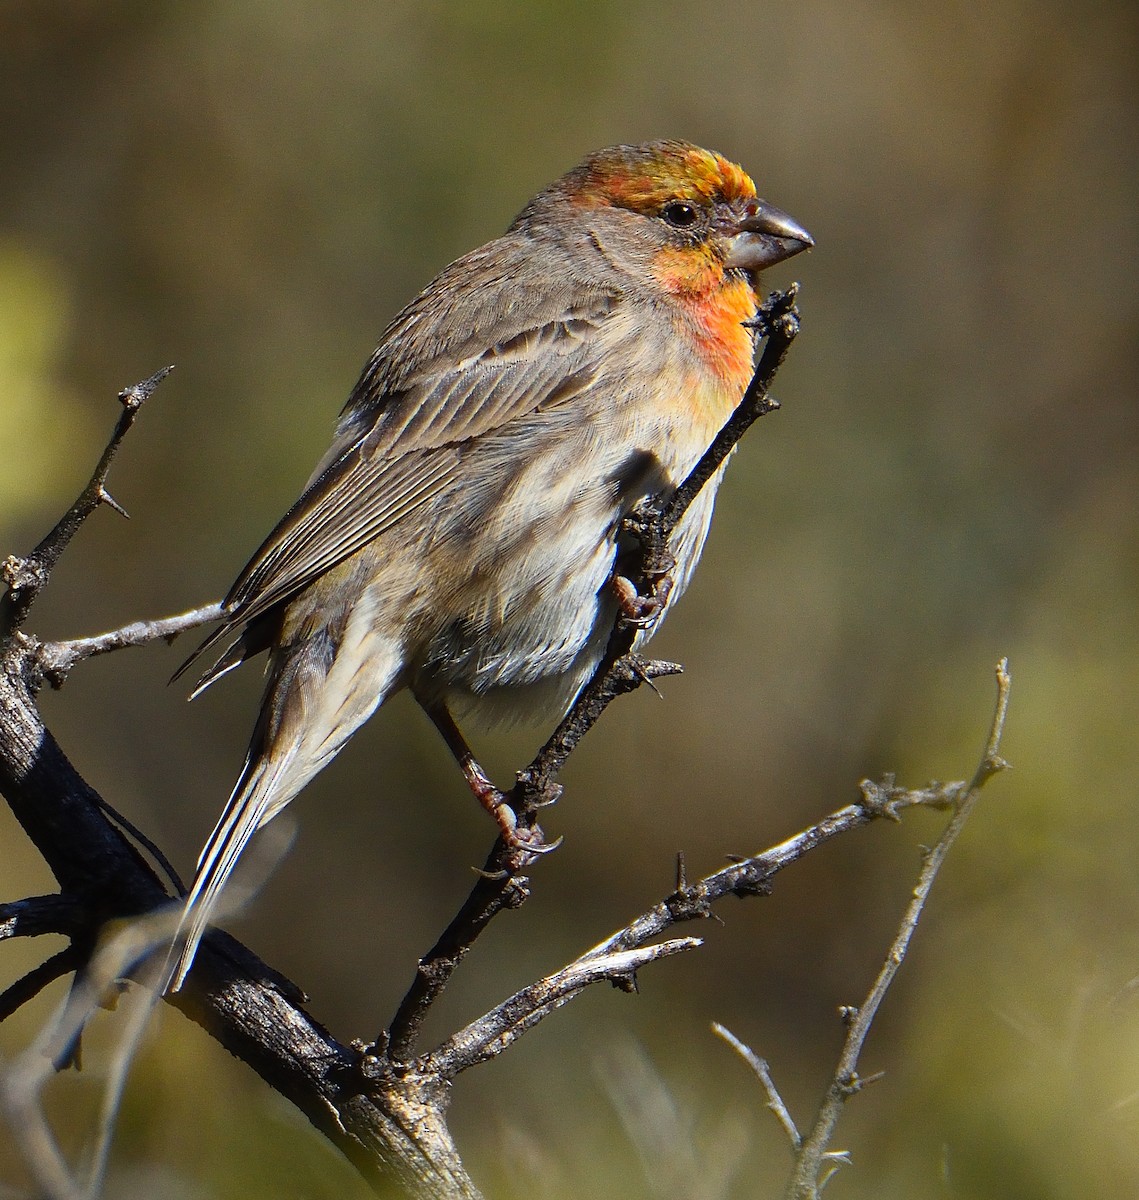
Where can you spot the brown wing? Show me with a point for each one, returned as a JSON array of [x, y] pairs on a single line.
[[397, 449]]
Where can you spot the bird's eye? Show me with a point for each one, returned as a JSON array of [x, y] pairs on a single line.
[[680, 214]]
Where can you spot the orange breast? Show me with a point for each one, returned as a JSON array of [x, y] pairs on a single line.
[[722, 339], [715, 306]]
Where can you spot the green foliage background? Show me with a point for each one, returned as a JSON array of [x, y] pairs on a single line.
[[250, 190]]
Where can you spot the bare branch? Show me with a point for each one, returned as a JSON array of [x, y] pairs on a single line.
[[501, 884], [620, 670], [763, 1073], [25, 578], [494, 890], [29, 987], [241, 1002], [381, 1105], [141, 840], [753, 876], [56, 659], [808, 1177], [487, 1037], [778, 322]]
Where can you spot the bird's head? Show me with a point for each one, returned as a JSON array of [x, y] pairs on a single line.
[[687, 214]]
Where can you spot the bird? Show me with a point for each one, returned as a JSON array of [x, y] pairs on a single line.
[[461, 536]]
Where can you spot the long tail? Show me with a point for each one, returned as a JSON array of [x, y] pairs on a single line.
[[320, 691], [255, 793]]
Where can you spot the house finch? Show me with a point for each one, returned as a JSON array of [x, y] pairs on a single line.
[[460, 536]]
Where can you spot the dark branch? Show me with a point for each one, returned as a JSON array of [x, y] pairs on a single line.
[[778, 322], [41, 914], [34, 982], [620, 671], [25, 578]]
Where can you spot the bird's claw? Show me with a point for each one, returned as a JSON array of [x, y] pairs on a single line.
[[520, 839], [639, 610], [533, 845]]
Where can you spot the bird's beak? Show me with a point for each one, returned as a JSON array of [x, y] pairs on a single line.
[[764, 236]]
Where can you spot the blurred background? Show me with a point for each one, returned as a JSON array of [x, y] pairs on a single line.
[[251, 191]]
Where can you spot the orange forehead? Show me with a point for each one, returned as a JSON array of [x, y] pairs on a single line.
[[643, 178]]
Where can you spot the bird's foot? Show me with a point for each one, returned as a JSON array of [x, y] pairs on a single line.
[[642, 610], [522, 839]]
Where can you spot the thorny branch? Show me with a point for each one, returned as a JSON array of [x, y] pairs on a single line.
[[92, 860], [25, 578], [814, 1163], [809, 1177], [621, 670]]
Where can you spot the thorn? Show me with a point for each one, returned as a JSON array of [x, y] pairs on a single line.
[[539, 847], [137, 394], [652, 686], [106, 498], [493, 876]]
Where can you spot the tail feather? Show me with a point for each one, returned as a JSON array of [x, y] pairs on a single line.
[[246, 810], [320, 690]]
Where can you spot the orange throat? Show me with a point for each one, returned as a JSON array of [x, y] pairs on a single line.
[[716, 305], [722, 338]]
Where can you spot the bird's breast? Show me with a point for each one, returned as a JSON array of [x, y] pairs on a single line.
[[720, 340]]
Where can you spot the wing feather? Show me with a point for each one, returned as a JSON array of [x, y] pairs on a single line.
[[399, 446]]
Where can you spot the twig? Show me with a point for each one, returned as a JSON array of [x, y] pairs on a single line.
[[16, 995], [763, 1073], [140, 839], [753, 876], [778, 322], [495, 889], [25, 578], [395, 1129], [619, 670], [487, 1037], [619, 956], [241, 1002], [807, 1179], [56, 659]]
